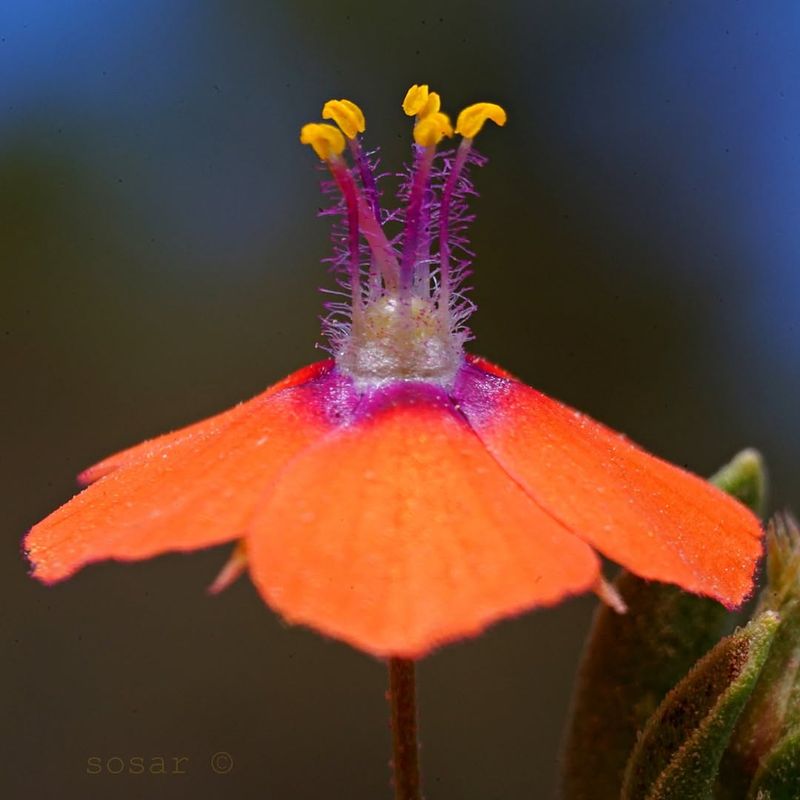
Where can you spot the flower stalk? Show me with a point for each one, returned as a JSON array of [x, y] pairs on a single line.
[[403, 705]]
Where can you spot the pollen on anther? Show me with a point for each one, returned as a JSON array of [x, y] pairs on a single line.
[[347, 115], [326, 140], [472, 118], [416, 99], [430, 130]]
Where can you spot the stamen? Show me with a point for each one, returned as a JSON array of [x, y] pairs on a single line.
[[457, 166], [326, 140], [472, 118], [432, 128], [350, 118], [428, 132], [433, 105], [368, 182], [347, 115], [349, 191], [328, 143], [469, 123], [416, 99], [406, 313], [416, 197], [420, 103]]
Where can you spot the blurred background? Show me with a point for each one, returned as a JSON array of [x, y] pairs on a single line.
[[159, 251]]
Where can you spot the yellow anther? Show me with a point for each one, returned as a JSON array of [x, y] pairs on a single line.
[[326, 140], [430, 130], [347, 115], [416, 99], [433, 104], [471, 119]]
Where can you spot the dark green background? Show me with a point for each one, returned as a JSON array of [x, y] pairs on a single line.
[[160, 256]]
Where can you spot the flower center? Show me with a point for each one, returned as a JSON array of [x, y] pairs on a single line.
[[401, 339], [401, 311]]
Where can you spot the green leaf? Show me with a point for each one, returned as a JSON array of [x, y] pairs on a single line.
[[779, 775], [678, 754], [632, 660]]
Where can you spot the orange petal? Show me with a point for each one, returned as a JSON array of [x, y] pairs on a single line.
[[196, 491], [653, 518], [199, 430], [400, 532]]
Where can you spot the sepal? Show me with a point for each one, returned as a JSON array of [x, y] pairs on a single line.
[[779, 775], [678, 754], [773, 711]]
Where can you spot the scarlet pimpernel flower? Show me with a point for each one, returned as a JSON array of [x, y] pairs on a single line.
[[404, 493]]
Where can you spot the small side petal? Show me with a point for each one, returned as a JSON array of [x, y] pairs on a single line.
[[195, 492], [400, 532], [653, 518]]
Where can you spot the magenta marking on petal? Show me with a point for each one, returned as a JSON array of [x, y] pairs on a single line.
[[331, 395], [477, 393], [406, 394], [474, 396]]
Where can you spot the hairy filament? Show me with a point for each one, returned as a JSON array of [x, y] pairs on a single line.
[[368, 182], [349, 191], [414, 216], [445, 286]]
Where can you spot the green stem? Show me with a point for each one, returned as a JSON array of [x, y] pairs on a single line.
[[403, 703]]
